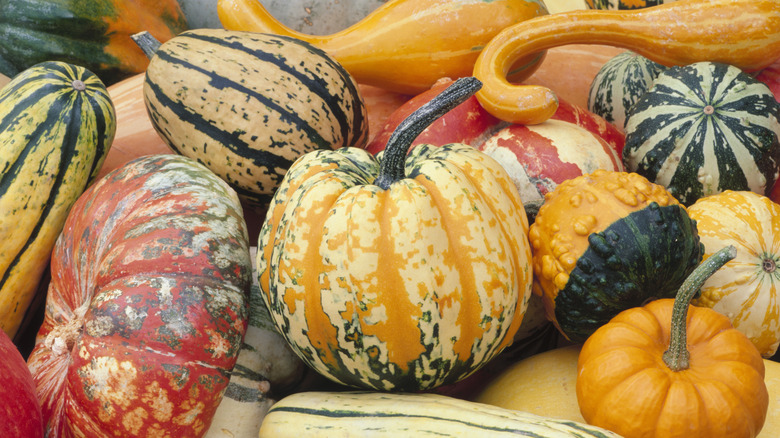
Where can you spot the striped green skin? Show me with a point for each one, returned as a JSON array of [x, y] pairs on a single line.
[[371, 414], [619, 83], [247, 105], [705, 128], [57, 123]]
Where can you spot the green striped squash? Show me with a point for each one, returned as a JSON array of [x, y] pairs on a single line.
[[57, 123], [373, 414], [247, 105], [619, 83], [705, 128]]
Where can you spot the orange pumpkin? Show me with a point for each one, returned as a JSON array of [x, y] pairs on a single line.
[[670, 370]]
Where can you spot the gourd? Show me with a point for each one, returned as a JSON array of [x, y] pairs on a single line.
[[746, 288], [397, 272], [771, 77], [403, 46], [692, 33], [56, 124], [619, 84], [147, 306], [672, 370], [20, 414], [605, 242], [704, 128], [371, 414], [247, 105], [624, 4], [90, 33]]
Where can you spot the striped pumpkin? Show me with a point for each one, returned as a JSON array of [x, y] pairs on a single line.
[[147, 306], [57, 123], [247, 105], [705, 128], [396, 272], [619, 83]]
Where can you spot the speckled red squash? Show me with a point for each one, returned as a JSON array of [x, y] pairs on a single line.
[[147, 305]]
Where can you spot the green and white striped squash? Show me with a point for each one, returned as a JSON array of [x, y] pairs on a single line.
[[619, 83], [389, 415], [246, 105], [705, 128], [57, 123]]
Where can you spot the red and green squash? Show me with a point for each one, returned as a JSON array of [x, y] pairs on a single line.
[[147, 306], [57, 123], [705, 128], [605, 242], [397, 272], [91, 33]]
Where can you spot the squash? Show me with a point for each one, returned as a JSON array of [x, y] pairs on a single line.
[[207, 100], [91, 33], [692, 33], [746, 288], [704, 128], [56, 124], [624, 4], [605, 242], [619, 84], [147, 306], [20, 413], [771, 77], [397, 273], [403, 46], [672, 370], [370, 414]]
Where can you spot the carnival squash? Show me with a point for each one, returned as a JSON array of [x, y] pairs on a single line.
[[742, 33], [90, 33], [705, 128], [147, 306], [57, 123], [396, 272], [746, 289], [404, 45], [605, 242], [670, 370]]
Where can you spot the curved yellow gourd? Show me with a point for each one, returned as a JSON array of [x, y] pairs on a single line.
[[404, 45], [743, 33]]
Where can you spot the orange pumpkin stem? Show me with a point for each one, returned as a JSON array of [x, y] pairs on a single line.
[[677, 357], [392, 166]]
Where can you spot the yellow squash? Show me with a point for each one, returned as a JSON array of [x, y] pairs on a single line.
[[743, 33], [404, 45]]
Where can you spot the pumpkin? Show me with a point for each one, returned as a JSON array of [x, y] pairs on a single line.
[[671, 370], [605, 242], [91, 33], [403, 46], [746, 288], [705, 128], [624, 4], [20, 413], [619, 84], [56, 124], [396, 272], [147, 306], [692, 33]]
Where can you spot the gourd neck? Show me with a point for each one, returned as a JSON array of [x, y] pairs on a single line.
[[148, 43], [391, 169], [677, 357]]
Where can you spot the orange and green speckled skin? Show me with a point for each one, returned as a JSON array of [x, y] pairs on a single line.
[[152, 271], [400, 289]]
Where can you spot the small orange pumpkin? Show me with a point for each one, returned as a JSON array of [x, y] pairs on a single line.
[[669, 370]]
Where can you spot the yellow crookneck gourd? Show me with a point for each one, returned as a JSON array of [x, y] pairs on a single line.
[[404, 46], [743, 33]]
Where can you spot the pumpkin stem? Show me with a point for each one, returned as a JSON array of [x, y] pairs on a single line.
[[677, 356], [148, 43], [391, 169]]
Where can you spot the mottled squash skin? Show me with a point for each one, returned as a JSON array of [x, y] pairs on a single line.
[[147, 306]]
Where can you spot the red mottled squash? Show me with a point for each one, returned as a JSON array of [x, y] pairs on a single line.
[[147, 305]]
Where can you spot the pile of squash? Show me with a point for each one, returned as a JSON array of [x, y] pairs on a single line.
[[450, 218]]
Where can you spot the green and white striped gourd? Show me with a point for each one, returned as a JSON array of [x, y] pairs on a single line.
[[619, 83], [392, 415], [246, 105], [705, 128], [57, 123]]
